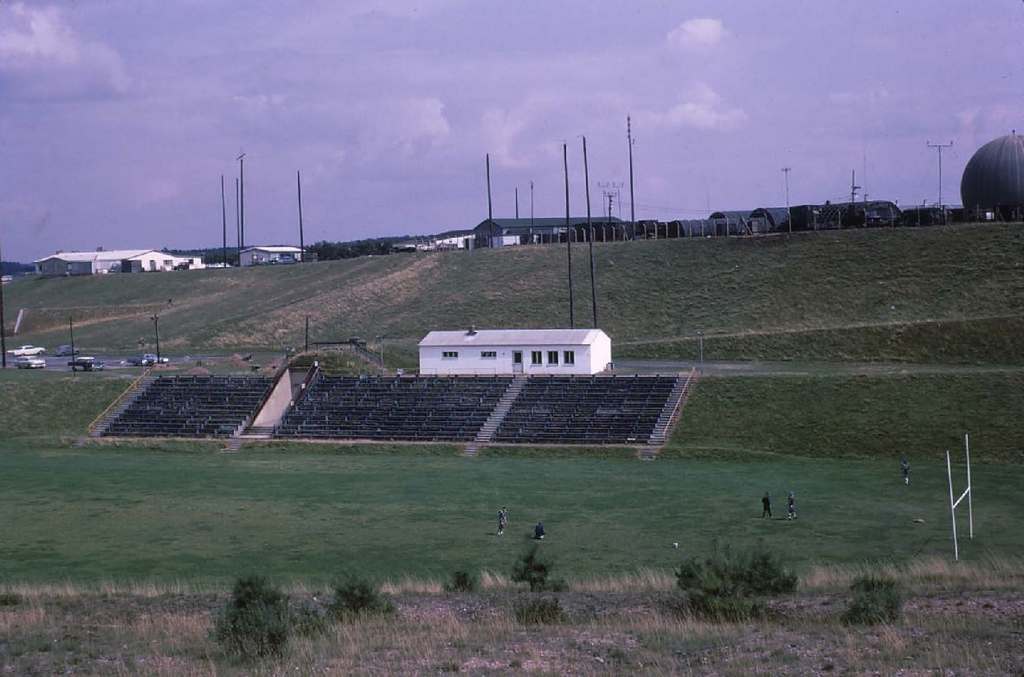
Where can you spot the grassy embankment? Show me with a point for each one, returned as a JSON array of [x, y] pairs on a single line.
[[925, 295]]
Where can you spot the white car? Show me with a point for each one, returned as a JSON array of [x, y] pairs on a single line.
[[30, 362], [27, 351]]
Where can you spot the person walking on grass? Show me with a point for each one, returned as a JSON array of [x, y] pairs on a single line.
[[502, 520], [905, 470], [766, 505], [791, 507]]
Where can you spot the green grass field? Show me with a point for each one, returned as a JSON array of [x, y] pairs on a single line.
[[98, 514], [181, 511], [924, 295]]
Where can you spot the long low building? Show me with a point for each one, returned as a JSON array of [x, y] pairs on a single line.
[[114, 261], [269, 255], [555, 352]]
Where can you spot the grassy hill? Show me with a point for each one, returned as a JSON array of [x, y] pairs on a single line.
[[951, 294]]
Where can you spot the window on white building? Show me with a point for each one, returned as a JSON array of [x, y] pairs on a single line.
[[552, 357], [536, 357], [488, 354], [450, 355], [569, 357]]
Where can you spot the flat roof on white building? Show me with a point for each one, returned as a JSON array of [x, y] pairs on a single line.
[[512, 337], [105, 255], [278, 249]]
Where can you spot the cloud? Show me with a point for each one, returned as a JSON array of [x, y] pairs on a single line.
[[702, 108], [41, 57], [697, 34]]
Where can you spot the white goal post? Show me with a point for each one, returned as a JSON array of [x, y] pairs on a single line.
[[953, 503]]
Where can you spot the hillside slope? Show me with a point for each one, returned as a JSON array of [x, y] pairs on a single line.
[[945, 294]]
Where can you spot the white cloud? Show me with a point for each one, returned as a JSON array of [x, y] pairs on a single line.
[[42, 57], [697, 34], [702, 108]]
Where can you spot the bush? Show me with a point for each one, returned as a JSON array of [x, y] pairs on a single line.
[[727, 585], [461, 581], [358, 597], [535, 571], [545, 610], [876, 599], [255, 622], [309, 620], [10, 599]]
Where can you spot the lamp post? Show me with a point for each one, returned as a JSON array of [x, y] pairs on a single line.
[[700, 349], [156, 329], [381, 339], [71, 331]]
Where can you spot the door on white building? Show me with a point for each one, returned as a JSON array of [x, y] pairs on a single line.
[[517, 362]]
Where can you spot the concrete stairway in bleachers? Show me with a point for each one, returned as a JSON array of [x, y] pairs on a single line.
[[493, 422], [669, 414]]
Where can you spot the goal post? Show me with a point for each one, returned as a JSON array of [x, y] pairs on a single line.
[[954, 502]]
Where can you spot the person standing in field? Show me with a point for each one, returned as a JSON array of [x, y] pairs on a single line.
[[502, 520], [905, 470], [791, 507], [766, 505]]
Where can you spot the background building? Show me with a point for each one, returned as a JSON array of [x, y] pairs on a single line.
[[535, 352], [114, 261], [274, 254]]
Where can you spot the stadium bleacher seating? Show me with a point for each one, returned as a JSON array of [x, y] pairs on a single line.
[[586, 410], [394, 408], [191, 406]]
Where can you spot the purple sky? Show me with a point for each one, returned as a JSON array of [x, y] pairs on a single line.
[[117, 117]]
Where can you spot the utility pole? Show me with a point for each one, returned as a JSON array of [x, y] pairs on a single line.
[[3, 327], [590, 234], [853, 200], [517, 203], [632, 211], [302, 243], [531, 211], [224, 222], [156, 329], [939, 147], [238, 221], [789, 214], [490, 213], [71, 333], [306, 339], [568, 239], [241, 200]]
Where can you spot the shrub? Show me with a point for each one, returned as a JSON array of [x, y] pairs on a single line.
[[535, 571], [544, 610], [358, 597], [461, 581], [876, 599], [255, 622], [10, 599], [727, 585], [309, 620]]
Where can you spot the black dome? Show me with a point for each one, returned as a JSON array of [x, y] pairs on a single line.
[[995, 174]]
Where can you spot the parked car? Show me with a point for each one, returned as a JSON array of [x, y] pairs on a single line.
[[66, 351], [27, 351], [85, 364], [149, 359], [30, 362]]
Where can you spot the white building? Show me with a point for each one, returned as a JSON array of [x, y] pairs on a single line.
[[255, 256], [114, 261], [515, 351]]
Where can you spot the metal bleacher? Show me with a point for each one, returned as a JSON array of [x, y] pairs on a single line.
[[587, 410], [191, 406], [394, 408]]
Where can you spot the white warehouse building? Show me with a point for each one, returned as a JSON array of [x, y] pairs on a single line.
[[273, 254], [114, 261], [534, 352]]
